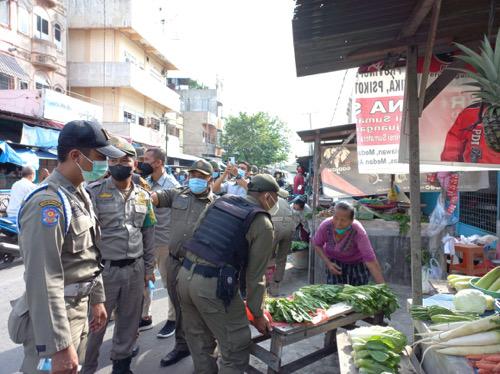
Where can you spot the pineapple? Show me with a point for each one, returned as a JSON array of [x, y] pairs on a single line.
[[487, 84]]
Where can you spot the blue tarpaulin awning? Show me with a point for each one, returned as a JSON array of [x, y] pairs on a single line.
[[9, 154], [39, 137], [32, 158]]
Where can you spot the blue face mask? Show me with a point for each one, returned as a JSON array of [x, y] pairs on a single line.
[[197, 185], [215, 175], [241, 173], [342, 231], [99, 168]]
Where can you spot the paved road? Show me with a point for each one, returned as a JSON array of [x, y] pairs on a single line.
[[153, 349]]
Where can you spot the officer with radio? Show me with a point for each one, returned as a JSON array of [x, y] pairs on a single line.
[[234, 235], [58, 232]]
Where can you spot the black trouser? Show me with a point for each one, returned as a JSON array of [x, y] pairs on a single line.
[[174, 265]]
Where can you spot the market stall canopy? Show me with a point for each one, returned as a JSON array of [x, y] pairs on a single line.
[[9, 155], [39, 137], [329, 134], [336, 35], [9, 66], [32, 157]]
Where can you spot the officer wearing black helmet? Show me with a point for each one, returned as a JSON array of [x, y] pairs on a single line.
[[234, 235]]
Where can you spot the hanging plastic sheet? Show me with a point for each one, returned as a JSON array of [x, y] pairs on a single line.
[[39, 137], [29, 158], [9, 154]]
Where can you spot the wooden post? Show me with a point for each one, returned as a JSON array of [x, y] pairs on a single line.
[[315, 203], [414, 155]]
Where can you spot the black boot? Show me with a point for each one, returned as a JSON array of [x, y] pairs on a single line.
[[122, 366]]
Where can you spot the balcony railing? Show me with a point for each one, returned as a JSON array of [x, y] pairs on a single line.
[[43, 53], [122, 74]]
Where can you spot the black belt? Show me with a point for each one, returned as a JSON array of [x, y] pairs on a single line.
[[121, 263], [203, 270]]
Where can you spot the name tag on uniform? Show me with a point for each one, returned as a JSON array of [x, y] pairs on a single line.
[[105, 195]]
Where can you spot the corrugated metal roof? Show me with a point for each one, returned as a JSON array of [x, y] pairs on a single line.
[[339, 34], [339, 133], [9, 66]]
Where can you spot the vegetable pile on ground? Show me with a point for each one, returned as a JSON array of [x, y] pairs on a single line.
[[305, 302], [459, 282], [299, 246], [481, 336], [377, 349], [439, 314]]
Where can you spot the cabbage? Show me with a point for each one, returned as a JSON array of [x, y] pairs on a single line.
[[470, 301]]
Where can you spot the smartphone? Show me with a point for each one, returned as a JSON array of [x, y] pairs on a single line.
[[232, 160]]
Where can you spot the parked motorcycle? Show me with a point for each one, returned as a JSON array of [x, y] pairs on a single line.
[[9, 247]]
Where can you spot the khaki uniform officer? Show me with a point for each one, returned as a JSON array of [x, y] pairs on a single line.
[[187, 204], [127, 247], [234, 235], [58, 229], [284, 227]]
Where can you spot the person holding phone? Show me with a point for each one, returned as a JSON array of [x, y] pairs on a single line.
[[238, 180]]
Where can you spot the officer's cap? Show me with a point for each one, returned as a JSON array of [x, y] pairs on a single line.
[[123, 145], [202, 166], [88, 134], [263, 183]]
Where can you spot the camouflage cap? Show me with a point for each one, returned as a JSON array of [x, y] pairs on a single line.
[[263, 183], [123, 145], [202, 166]]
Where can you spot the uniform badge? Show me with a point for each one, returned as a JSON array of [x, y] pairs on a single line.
[[50, 216], [50, 203], [141, 199]]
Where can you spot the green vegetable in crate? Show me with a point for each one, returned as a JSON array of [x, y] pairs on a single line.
[[487, 280], [377, 349], [459, 282], [439, 314]]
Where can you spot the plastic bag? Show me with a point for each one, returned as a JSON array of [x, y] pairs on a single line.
[[439, 217], [426, 286], [435, 270]]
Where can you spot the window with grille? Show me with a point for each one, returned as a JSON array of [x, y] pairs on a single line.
[[6, 82], [128, 117], [479, 208]]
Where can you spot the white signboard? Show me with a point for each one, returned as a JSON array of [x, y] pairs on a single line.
[[63, 108]]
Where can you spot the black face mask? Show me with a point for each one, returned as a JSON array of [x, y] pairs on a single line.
[[146, 169], [120, 172]]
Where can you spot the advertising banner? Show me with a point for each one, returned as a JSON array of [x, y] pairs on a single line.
[[63, 108], [451, 131], [340, 176]]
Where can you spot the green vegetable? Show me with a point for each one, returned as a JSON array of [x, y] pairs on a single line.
[[442, 318], [299, 246], [438, 314], [471, 301], [489, 278], [377, 349], [495, 286]]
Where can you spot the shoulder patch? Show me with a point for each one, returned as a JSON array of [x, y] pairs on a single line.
[[50, 215], [105, 195], [55, 203]]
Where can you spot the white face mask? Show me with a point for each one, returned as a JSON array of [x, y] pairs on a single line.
[[274, 209]]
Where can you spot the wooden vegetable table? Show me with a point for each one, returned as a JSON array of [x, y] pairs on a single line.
[[339, 315]]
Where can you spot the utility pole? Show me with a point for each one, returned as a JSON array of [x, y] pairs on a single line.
[[310, 127]]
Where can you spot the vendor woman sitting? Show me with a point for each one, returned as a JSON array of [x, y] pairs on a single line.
[[342, 243]]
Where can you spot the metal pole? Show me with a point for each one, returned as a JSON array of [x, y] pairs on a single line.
[[317, 160], [414, 155]]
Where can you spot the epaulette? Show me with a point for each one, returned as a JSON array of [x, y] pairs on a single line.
[[66, 207], [96, 183]]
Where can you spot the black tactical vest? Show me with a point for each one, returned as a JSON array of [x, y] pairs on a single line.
[[220, 238]]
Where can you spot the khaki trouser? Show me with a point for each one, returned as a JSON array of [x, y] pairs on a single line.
[[78, 323], [174, 266], [281, 246], [208, 322], [124, 288], [161, 255]]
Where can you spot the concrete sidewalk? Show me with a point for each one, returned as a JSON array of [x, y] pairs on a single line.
[[153, 349]]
